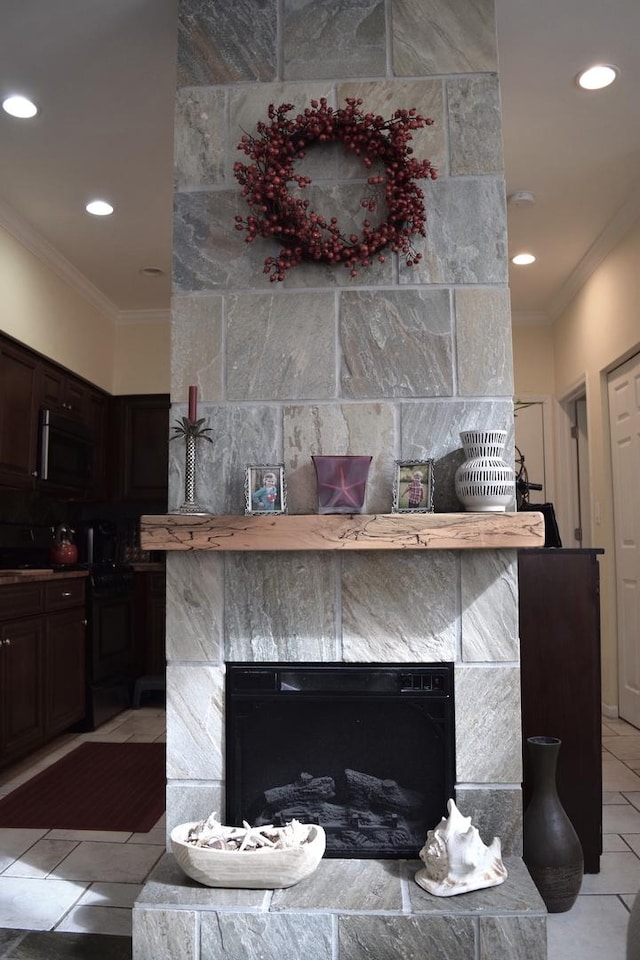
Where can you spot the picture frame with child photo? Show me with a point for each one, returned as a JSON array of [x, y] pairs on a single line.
[[264, 489], [413, 487]]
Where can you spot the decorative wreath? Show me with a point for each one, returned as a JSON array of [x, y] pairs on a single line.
[[383, 146]]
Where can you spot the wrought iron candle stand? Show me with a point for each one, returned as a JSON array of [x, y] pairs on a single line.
[[191, 430]]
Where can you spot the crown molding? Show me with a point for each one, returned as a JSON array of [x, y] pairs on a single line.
[[32, 240], [128, 317], [602, 246]]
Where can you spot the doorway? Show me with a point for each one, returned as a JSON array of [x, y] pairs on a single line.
[[624, 422]]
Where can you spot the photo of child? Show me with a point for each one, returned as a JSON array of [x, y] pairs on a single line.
[[413, 487], [264, 489], [266, 496]]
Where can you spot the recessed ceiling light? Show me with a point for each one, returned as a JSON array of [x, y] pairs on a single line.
[[152, 272], [522, 259], [597, 77], [99, 208], [19, 107]]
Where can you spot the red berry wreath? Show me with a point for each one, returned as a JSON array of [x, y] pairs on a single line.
[[304, 234]]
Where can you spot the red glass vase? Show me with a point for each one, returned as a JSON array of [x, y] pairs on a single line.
[[342, 483]]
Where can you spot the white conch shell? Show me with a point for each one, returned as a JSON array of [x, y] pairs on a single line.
[[456, 860]]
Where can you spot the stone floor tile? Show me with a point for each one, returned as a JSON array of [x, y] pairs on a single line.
[[116, 862], [72, 946], [36, 904], [613, 843], [156, 835], [111, 895], [104, 836], [40, 859], [619, 873], [612, 796], [619, 818], [624, 748], [594, 929], [113, 921], [620, 727], [617, 776], [14, 842]]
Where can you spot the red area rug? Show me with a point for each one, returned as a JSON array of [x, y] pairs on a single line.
[[98, 786]]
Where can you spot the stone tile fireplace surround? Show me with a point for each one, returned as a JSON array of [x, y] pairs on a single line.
[[393, 364]]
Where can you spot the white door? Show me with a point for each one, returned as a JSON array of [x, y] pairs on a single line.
[[624, 415]]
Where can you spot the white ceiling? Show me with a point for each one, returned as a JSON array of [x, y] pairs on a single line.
[[103, 73]]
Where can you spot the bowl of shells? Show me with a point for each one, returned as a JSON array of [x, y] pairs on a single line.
[[260, 858]]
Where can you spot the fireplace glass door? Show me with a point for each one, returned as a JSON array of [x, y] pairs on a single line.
[[367, 751]]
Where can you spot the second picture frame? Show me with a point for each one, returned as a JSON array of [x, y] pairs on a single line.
[[413, 486], [264, 489]]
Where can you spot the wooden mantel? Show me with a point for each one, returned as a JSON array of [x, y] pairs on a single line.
[[384, 531]]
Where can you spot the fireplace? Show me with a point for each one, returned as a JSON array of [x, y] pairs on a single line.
[[366, 750]]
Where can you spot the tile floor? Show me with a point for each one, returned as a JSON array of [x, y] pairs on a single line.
[[81, 885]]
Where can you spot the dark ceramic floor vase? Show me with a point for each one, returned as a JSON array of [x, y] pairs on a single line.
[[552, 850]]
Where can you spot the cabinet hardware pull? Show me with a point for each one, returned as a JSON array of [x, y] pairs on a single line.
[[84, 622], [7, 643], [65, 593]]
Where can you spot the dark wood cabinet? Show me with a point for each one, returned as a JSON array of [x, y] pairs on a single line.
[[97, 420], [42, 662], [560, 678], [64, 670], [28, 383], [22, 719], [141, 447], [150, 625], [62, 391], [19, 385]]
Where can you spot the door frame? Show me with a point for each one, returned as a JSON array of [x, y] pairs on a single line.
[[569, 489]]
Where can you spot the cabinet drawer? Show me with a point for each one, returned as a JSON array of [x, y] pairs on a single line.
[[59, 594], [20, 600]]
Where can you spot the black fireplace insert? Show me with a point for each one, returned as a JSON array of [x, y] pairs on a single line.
[[366, 750]]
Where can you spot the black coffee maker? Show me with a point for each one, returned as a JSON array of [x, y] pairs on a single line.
[[100, 543]]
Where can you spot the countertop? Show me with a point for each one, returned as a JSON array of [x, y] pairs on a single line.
[[37, 576]]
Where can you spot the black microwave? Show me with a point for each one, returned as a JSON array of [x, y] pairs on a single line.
[[66, 451]]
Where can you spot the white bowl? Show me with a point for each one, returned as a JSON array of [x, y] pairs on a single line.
[[263, 869]]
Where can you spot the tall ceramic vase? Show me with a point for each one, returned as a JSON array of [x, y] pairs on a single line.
[[552, 850], [485, 483]]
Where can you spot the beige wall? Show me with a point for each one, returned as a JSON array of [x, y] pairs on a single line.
[[600, 329], [142, 357], [46, 313], [533, 368]]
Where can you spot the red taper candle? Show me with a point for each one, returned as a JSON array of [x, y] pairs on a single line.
[[193, 404]]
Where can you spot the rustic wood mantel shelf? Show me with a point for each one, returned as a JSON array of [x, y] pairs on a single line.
[[383, 531]]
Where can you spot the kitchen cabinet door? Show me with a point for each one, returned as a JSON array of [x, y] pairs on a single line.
[[21, 719], [19, 383], [64, 673], [141, 436], [64, 392]]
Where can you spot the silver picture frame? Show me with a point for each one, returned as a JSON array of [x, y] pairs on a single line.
[[265, 490], [413, 486]]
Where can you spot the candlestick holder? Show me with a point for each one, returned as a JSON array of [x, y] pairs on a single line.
[[192, 431]]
